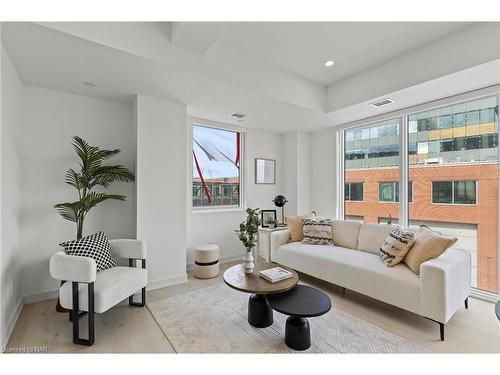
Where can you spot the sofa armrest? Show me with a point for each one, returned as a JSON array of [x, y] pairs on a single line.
[[278, 238], [128, 249], [72, 268], [445, 284]]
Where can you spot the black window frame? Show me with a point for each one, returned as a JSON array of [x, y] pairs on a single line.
[[348, 191], [452, 189]]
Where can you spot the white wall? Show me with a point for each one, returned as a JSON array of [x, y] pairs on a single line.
[[161, 187], [50, 118], [296, 173], [11, 259], [323, 172], [218, 227]]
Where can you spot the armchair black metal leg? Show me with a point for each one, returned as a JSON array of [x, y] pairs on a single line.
[[132, 263], [76, 321], [466, 302], [441, 331]]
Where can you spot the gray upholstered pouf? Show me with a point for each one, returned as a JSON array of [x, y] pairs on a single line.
[[206, 261]]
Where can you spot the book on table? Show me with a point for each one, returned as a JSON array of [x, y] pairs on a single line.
[[275, 274]]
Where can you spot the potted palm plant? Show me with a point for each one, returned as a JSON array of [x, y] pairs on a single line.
[[248, 236], [92, 174]]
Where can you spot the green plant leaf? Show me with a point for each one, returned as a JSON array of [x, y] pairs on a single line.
[[68, 210]]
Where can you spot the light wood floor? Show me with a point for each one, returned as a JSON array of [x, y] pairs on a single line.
[[126, 329]]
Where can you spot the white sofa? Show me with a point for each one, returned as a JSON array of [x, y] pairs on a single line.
[[353, 263], [87, 290]]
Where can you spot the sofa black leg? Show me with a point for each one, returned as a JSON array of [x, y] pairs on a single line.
[[466, 302], [132, 263], [343, 291], [441, 330], [75, 315]]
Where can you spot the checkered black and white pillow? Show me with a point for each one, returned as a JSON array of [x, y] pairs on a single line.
[[94, 246]]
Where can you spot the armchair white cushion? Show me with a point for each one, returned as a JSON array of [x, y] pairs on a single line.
[[110, 288], [128, 249], [71, 267]]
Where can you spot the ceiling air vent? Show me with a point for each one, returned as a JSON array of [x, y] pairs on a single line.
[[237, 115], [382, 102]]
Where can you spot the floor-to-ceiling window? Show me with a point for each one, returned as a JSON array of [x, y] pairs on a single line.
[[453, 163], [371, 160], [451, 171]]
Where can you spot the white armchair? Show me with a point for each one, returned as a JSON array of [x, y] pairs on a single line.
[[104, 289]]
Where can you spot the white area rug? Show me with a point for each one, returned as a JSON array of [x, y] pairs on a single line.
[[214, 320]]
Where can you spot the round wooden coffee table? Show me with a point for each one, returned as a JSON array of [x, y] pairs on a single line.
[[260, 314]]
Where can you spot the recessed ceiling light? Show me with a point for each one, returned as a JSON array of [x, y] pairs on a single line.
[[329, 63], [382, 102], [89, 84]]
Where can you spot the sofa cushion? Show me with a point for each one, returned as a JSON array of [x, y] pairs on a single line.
[[317, 231], [428, 245], [295, 225], [111, 287], [345, 233], [372, 236], [355, 270], [396, 246]]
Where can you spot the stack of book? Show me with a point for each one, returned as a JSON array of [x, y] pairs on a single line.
[[275, 274]]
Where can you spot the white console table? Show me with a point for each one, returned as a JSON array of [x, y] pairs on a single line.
[[264, 242]]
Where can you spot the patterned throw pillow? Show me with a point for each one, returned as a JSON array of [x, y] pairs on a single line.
[[94, 246], [318, 231], [396, 246]]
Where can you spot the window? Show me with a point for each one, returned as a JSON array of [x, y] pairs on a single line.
[[216, 167], [454, 192], [354, 191], [389, 192], [452, 169]]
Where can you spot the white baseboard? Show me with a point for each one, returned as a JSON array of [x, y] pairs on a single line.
[[11, 323], [226, 259], [42, 296], [169, 281]]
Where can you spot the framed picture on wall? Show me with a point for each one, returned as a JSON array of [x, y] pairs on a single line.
[[268, 218], [265, 171]]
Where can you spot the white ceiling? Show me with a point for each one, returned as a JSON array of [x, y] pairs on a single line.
[[218, 68], [303, 47]]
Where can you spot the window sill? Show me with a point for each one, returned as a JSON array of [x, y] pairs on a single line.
[[217, 210]]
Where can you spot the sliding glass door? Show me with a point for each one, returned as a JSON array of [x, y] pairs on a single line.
[[451, 177]]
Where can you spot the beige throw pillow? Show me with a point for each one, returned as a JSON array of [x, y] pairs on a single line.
[[318, 231], [396, 246], [295, 226], [428, 245]]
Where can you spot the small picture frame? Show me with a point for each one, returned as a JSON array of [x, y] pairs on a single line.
[[265, 171], [266, 216]]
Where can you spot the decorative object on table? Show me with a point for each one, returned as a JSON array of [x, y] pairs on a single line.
[[300, 303], [275, 274], [318, 231], [95, 246], [265, 171], [248, 236], [268, 217], [280, 201], [92, 174], [206, 261], [260, 314]]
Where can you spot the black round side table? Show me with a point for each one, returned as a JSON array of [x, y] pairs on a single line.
[[300, 303]]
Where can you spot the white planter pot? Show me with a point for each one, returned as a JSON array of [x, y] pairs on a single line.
[[248, 262]]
